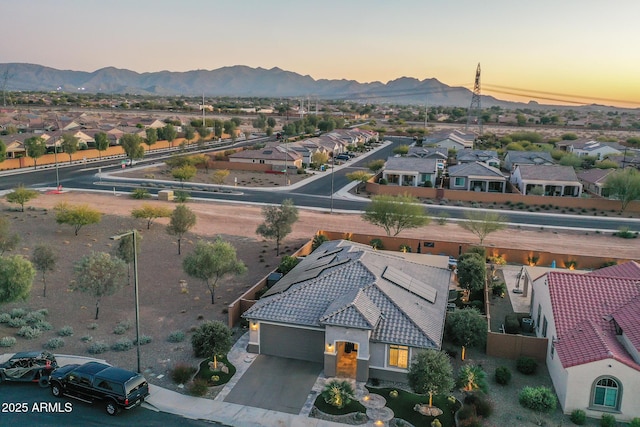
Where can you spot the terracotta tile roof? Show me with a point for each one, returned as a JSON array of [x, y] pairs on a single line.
[[628, 317], [630, 270], [583, 309]]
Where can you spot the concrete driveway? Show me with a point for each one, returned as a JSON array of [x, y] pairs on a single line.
[[275, 383]]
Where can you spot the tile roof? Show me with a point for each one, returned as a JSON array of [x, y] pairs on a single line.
[[343, 285], [476, 169], [583, 308], [627, 317], [630, 270], [594, 175], [547, 172], [411, 164]]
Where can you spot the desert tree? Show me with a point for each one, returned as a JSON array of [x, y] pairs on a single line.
[[211, 339], [150, 213], [181, 221], [36, 147], [189, 133], [472, 271], [401, 150], [624, 185], [184, 173], [219, 176], [361, 176], [278, 222], [431, 373], [132, 146], [152, 136], [44, 259], [201, 160], [69, 145], [212, 261], [483, 223], [100, 275], [76, 216], [375, 165], [466, 327], [21, 195], [102, 142], [8, 239], [16, 278], [3, 151], [170, 133], [395, 213]]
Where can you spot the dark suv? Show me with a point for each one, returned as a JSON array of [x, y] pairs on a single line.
[[95, 381]]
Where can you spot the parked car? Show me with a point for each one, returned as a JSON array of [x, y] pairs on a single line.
[[343, 157], [29, 366], [116, 388]]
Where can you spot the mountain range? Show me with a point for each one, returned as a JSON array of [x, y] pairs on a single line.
[[240, 81]]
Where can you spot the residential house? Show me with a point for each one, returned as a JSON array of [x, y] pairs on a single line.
[[552, 180], [15, 145], [410, 171], [360, 312], [278, 157], [456, 140], [477, 176], [591, 322], [515, 158], [439, 154], [489, 157], [591, 148], [593, 181]]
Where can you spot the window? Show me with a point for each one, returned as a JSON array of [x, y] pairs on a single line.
[[399, 356], [607, 393], [459, 181], [538, 318], [553, 346], [544, 327]]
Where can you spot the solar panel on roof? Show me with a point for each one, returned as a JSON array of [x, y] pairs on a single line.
[[411, 284]]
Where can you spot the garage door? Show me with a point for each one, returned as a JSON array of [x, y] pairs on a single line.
[[294, 343]]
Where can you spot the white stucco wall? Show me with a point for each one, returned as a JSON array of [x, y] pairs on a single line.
[[580, 383]]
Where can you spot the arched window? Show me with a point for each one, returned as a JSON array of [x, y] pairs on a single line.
[[607, 392]]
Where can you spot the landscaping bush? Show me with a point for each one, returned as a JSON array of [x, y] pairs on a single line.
[[54, 343], [5, 317], [98, 347], [607, 420], [198, 387], [43, 325], [17, 322], [34, 317], [481, 403], [635, 422], [526, 365], [122, 327], [123, 344], [7, 341], [140, 193], [181, 196], [181, 373], [578, 417], [65, 331], [472, 378], [29, 332], [376, 244], [503, 375], [338, 393], [92, 326], [540, 399], [498, 289], [511, 324], [18, 312], [86, 338], [144, 339]]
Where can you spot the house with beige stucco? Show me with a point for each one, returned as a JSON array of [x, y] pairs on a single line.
[[360, 312], [592, 323]]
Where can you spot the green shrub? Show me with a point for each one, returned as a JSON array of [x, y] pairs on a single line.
[[472, 378], [5, 317], [122, 344], [526, 365], [635, 422], [498, 289], [578, 417], [119, 330], [181, 196], [376, 244], [43, 325], [86, 338], [607, 420], [140, 193], [7, 341], [176, 336], [198, 387], [65, 331], [17, 322], [503, 375], [92, 326], [34, 317], [484, 406], [54, 343], [29, 332], [338, 393], [511, 324], [539, 399], [18, 312], [144, 339], [181, 373], [98, 347]]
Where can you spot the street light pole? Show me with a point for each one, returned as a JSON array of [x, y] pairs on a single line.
[[333, 166], [55, 159], [133, 233]]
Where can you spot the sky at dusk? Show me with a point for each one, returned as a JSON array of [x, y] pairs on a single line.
[[580, 50]]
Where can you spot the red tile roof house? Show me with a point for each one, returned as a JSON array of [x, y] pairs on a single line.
[[592, 322]]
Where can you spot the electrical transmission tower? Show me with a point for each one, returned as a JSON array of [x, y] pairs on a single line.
[[475, 112]]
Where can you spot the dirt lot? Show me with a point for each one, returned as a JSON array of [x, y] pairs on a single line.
[[163, 306]]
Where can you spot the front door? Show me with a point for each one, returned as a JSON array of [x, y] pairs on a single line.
[[347, 361]]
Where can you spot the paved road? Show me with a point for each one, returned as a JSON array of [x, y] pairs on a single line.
[[316, 194]]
